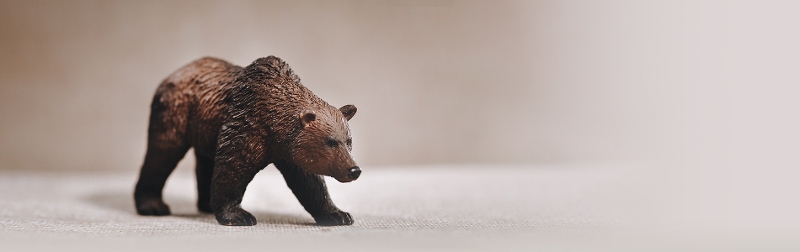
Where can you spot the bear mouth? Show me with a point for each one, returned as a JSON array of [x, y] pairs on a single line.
[[339, 176]]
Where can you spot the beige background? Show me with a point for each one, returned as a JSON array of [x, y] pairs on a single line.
[[435, 81]]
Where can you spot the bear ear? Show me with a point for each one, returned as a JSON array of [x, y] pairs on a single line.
[[348, 111], [307, 116]]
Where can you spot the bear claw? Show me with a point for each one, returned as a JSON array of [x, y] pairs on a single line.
[[153, 207], [339, 218], [236, 217]]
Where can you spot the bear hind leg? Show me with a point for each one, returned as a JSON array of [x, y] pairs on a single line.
[[166, 146], [204, 172]]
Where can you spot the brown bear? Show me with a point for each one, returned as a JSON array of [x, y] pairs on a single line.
[[239, 120]]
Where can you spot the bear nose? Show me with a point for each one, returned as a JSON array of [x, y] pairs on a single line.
[[354, 172]]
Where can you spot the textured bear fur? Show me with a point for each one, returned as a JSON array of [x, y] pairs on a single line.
[[239, 120]]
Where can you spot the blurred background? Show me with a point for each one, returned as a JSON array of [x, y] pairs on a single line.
[[704, 93]]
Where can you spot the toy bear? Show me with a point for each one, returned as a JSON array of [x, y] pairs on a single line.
[[239, 120]]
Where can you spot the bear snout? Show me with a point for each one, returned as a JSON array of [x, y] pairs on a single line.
[[354, 172]]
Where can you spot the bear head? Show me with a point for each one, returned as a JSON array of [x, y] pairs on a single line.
[[324, 143]]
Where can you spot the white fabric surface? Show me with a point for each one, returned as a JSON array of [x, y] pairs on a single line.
[[452, 207]]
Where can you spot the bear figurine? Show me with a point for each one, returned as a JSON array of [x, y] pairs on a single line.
[[239, 120]]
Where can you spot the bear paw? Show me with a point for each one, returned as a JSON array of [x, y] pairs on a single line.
[[339, 218], [152, 207], [235, 216]]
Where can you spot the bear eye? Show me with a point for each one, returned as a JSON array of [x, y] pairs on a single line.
[[331, 143]]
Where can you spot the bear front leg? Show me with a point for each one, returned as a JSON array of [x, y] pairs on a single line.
[[228, 184], [235, 165], [312, 193]]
